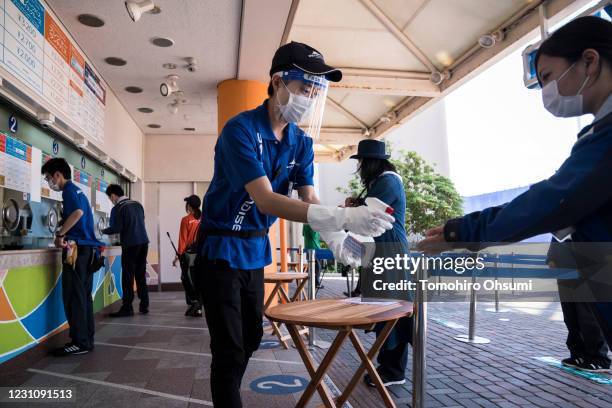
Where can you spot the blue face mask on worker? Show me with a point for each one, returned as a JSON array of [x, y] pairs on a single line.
[[560, 105], [297, 108]]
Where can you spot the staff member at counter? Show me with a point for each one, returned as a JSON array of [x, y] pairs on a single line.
[[78, 241], [260, 157], [127, 219]]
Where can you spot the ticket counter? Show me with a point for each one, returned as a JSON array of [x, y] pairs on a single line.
[[31, 308]]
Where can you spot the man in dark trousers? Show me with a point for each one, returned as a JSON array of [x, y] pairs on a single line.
[[78, 241], [127, 219]]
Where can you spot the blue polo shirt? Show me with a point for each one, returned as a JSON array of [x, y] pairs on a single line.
[[83, 231], [246, 150]]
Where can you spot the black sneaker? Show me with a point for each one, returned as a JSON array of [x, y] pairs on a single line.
[[143, 310], [593, 367], [385, 380], [197, 312], [122, 313], [69, 349], [189, 311], [573, 362]]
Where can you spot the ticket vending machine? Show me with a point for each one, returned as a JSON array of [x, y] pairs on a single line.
[[27, 224]]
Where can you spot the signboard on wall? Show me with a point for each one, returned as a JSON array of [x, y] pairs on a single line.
[[15, 164], [103, 203], [84, 181], [36, 50]]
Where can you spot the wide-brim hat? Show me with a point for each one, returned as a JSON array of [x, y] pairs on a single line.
[[371, 149]]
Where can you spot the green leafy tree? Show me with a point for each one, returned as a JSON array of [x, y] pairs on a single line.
[[431, 199]]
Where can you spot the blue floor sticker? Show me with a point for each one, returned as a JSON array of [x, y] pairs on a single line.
[[268, 344], [279, 384], [596, 377]]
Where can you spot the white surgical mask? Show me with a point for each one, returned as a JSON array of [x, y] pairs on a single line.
[[297, 108], [53, 186], [560, 105]]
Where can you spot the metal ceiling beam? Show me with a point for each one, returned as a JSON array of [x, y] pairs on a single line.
[[478, 59], [398, 33], [346, 113], [340, 136], [385, 73], [387, 86], [289, 23]]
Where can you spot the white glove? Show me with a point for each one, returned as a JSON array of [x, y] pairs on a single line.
[[367, 221], [335, 240]]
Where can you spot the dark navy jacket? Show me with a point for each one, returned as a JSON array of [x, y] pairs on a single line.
[[577, 196], [127, 218]]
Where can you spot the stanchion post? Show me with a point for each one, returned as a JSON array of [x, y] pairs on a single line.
[[301, 250], [311, 292], [419, 335], [471, 336], [472, 329]]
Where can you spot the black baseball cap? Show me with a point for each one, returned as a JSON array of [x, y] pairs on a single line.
[[304, 57]]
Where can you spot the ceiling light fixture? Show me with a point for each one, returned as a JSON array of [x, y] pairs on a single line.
[[169, 86], [137, 9], [489, 40], [173, 107]]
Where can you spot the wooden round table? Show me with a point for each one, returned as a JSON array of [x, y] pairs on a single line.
[[343, 315], [279, 279]]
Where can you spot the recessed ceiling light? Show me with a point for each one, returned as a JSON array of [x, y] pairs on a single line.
[[162, 42], [189, 129], [145, 110], [153, 125], [90, 20], [116, 61], [133, 89], [169, 65]]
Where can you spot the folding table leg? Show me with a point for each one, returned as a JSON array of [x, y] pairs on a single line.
[[370, 355], [274, 325], [372, 370], [300, 290], [318, 374]]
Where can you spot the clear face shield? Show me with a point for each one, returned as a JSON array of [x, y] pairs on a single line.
[[306, 101]]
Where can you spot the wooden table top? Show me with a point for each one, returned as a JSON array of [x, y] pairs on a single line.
[[338, 312], [284, 276]]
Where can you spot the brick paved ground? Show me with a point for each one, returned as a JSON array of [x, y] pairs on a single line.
[[162, 360]]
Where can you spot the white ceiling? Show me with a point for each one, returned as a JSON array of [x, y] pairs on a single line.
[[208, 30]]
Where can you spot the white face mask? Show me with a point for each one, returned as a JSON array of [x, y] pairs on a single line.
[[297, 108], [560, 105], [53, 186]]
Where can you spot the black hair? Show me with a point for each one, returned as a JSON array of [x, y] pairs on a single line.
[[197, 213], [193, 202], [570, 41], [370, 169], [270, 89], [114, 189], [57, 164]]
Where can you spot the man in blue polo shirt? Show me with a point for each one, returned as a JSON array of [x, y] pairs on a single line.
[[78, 241], [260, 157]]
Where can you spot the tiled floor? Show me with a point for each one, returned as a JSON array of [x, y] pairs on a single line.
[[162, 360]]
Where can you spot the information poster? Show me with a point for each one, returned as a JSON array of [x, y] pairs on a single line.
[[45, 191], [15, 164], [38, 52], [83, 181], [103, 203]]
